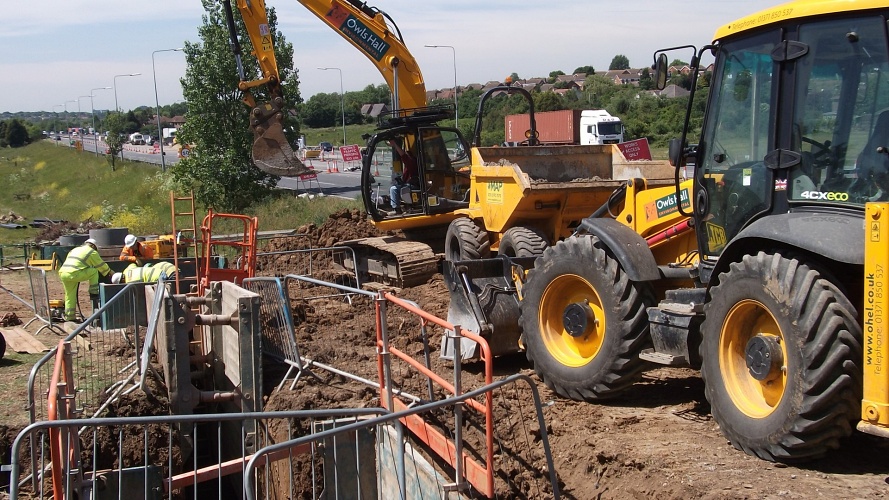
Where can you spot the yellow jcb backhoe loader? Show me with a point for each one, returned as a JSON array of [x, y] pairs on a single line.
[[789, 204]]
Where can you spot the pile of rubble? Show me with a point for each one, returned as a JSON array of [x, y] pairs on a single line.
[[11, 218], [52, 231]]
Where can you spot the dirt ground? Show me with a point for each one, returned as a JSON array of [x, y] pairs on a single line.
[[656, 441]]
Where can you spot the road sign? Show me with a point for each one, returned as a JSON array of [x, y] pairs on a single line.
[[350, 153], [635, 150]]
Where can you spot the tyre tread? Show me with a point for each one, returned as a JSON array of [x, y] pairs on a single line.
[[830, 384]]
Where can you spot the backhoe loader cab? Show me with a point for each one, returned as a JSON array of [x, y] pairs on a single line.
[[794, 145]]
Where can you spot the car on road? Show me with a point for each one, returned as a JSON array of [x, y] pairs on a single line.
[[326, 147]]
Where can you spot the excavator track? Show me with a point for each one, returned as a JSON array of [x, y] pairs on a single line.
[[390, 260]]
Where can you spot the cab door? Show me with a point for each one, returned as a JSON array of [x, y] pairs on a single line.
[[733, 181]]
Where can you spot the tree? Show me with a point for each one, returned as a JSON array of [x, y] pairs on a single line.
[[620, 61], [115, 124], [588, 70], [16, 134], [548, 101], [555, 74], [219, 169], [322, 110], [678, 63], [645, 80], [598, 90]]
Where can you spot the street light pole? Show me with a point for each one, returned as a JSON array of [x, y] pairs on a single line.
[[454, 51], [116, 107], [93, 113], [157, 106], [342, 102]]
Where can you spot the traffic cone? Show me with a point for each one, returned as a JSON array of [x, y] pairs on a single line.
[[376, 168]]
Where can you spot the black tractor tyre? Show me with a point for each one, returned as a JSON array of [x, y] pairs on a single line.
[[782, 359], [2, 346], [465, 240], [583, 321], [521, 241]]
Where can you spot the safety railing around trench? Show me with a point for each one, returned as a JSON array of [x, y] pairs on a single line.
[[331, 454], [105, 350], [144, 457], [396, 448], [414, 381]]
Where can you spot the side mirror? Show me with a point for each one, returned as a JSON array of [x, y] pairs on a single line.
[[675, 152], [660, 71]]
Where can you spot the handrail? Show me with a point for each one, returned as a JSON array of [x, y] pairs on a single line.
[[61, 369], [487, 410]]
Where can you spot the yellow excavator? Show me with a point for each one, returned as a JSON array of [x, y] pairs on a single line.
[[411, 125]]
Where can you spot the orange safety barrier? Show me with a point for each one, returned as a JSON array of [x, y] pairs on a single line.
[[244, 264], [481, 476], [61, 439]]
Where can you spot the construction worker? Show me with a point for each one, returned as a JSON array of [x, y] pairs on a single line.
[[150, 273], [135, 251], [407, 176], [82, 264]]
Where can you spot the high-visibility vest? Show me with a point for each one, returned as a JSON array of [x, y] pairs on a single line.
[[84, 257], [150, 274]]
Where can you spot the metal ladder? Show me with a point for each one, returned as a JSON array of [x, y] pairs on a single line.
[[182, 209]]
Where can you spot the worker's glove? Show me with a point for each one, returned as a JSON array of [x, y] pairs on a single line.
[[139, 262]]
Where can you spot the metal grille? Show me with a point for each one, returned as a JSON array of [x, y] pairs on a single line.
[[105, 360]]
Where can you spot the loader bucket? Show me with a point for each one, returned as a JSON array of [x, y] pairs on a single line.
[[272, 154], [484, 300]]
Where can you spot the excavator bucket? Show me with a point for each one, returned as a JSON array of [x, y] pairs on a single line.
[[484, 299], [272, 154]]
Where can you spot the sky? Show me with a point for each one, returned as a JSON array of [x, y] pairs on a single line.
[[57, 53]]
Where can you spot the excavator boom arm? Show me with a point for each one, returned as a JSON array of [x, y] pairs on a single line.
[[363, 26], [271, 150], [366, 29]]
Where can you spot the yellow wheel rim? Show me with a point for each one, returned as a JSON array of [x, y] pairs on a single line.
[[755, 398], [571, 350]]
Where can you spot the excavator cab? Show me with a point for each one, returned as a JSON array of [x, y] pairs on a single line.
[[413, 167]]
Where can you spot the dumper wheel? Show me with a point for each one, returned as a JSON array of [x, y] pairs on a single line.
[[781, 359], [522, 241], [2, 346], [465, 240], [583, 321]]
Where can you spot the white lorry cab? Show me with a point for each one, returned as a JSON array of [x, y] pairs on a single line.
[[597, 126]]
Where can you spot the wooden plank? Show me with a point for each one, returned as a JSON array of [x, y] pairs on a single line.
[[20, 340], [33, 341]]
